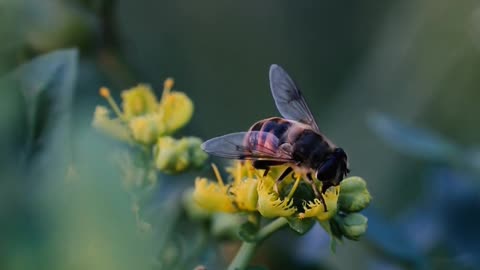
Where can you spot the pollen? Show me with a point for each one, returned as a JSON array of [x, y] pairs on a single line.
[[104, 92]]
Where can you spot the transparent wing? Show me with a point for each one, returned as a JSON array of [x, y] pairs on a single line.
[[247, 145], [288, 98]]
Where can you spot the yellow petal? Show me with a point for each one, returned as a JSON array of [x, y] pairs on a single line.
[[269, 203], [316, 209], [245, 193], [144, 128], [175, 110], [212, 196], [138, 100]]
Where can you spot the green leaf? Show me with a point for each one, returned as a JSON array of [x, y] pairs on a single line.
[[46, 84], [248, 232], [301, 226]]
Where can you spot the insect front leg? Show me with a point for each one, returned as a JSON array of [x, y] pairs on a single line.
[[282, 176], [317, 193]]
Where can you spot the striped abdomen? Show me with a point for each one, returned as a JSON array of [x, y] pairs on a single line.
[[306, 146]]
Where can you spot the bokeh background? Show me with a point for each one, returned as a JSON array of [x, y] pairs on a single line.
[[394, 83]]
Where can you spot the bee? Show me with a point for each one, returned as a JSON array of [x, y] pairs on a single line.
[[294, 140]]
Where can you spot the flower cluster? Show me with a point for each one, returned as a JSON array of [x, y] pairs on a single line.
[[249, 191], [149, 122]]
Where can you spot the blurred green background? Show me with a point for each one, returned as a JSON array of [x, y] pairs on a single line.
[[394, 83]]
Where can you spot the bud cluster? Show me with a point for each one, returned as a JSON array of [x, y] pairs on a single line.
[[149, 122]]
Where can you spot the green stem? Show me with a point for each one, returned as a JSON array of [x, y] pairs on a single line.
[[246, 251]]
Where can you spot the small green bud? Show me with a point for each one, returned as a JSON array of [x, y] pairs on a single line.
[[138, 100], [174, 156], [352, 225], [226, 225], [144, 128], [354, 195]]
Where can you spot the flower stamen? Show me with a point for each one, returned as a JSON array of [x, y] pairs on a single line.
[[217, 175], [105, 93]]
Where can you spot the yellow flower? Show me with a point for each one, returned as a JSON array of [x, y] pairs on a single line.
[[245, 193], [269, 203], [213, 196], [138, 100], [144, 128], [316, 209], [175, 108], [111, 127]]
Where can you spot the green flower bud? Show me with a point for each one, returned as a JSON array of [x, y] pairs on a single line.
[[109, 126], [174, 156], [225, 225], [354, 195], [352, 225], [144, 128], [138, 100]]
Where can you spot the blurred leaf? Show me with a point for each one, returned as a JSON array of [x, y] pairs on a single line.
[[301, 226], [46, 84], [248, 232], [412, 141]]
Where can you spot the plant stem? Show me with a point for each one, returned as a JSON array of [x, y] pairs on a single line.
[[246, 251]]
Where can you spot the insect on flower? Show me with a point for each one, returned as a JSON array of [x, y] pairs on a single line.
[[295, 140]]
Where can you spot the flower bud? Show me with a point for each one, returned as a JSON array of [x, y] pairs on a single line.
[[225, 225], [175, 110], [354, 195], [138, 100], [109, 126], [144, 128], [174, 156], [352, 225]]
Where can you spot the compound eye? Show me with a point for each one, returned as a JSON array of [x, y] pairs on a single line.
[[327, 169]]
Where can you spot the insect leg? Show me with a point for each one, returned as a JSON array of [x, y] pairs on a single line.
[[265, 165], [281, 177], [318, 194]]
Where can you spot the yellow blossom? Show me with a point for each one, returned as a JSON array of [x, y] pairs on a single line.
[[269, 203], [213, 196], [138, 100], [144, 128], [175, 111], [245, 193], [316, 209]]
